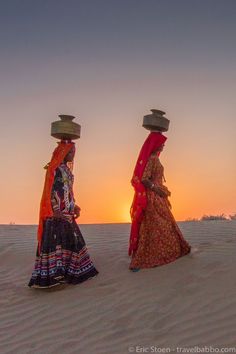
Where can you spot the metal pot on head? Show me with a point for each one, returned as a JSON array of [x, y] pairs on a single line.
[[65, 129], [156, 122]]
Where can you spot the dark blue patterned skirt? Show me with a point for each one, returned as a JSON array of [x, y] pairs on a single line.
[[64, 257]]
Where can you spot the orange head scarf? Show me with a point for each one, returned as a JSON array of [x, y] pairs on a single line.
[[46, 211], [153, 142]]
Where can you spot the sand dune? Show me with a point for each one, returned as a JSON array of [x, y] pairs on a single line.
[[191, 302]]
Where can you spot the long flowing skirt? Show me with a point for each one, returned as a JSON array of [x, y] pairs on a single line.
[[64, 256], [160, 239]]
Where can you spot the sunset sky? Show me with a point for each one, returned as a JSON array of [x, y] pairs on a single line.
[[108, 62]]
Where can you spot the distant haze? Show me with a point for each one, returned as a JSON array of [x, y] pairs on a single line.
[[108, 63]]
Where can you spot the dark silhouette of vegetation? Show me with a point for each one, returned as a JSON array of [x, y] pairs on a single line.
[[213, 217]]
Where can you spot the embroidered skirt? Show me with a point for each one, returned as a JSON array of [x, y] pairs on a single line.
[[160, 239], [64, 257]]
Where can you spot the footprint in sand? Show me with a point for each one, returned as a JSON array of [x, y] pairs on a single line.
[[195, 250]]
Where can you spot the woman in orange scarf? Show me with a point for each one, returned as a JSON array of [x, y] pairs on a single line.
[[155, 238], [62, 256]]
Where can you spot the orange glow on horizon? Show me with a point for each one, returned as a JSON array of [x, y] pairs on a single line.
[[111, 202], [103, 172]]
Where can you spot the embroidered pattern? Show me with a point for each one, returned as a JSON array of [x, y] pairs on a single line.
[[160, 239]]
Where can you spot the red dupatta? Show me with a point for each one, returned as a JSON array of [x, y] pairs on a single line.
[[45, 206], [153, 142]]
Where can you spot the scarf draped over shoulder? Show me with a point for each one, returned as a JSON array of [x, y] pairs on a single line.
[[153, 142], [46, 211]]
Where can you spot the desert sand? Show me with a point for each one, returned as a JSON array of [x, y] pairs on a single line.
[[191, 302]]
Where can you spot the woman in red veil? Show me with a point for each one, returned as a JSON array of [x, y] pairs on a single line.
[[62, 255], [155, 238]]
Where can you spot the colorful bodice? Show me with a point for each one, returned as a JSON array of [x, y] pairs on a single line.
[[62, 191]]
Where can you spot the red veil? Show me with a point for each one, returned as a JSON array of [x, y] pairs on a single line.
[[153, 141], [45, 206]]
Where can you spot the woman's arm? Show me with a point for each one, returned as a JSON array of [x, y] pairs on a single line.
[[77, 211], [57, 194], [155, 188], [147, 179]]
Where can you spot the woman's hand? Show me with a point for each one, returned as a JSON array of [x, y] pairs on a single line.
[[58, 214], [77, 211], [163, 192], [166, 191], [160, 192]]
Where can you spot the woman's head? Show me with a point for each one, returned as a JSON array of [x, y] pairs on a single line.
[[159, 149], [70, 156], [154, 144]]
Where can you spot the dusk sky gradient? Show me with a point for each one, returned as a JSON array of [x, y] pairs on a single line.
[[108, 63]]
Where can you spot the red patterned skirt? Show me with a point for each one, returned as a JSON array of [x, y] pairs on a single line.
[[160, 239]]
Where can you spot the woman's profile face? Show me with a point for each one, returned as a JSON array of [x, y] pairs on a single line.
[[70, 156], [160, 148]]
